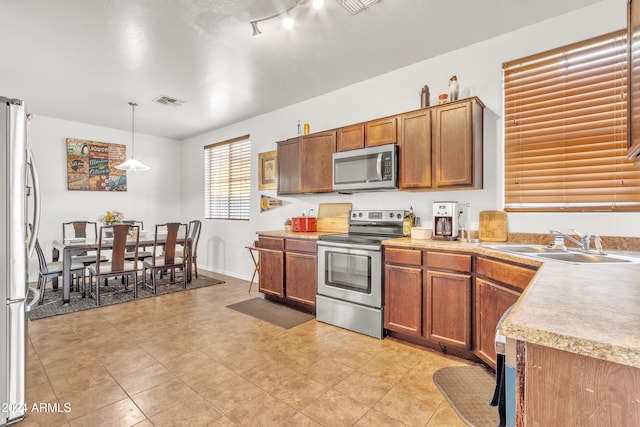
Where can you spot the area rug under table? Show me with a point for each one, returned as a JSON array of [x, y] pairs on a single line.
[[274, 313], [468, 389], [53, 306]]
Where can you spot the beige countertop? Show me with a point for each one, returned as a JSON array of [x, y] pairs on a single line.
[[293, 234], [588, 309]]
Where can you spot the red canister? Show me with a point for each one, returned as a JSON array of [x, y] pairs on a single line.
[[303, 223]]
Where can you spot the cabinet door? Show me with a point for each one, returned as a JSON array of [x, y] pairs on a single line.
[[457, 145], [447, 309], [402, 299], [301, 277], [380, 132], [272, 272], [289, 167], [350, 137], [317, 162], [415, 150], [492, 300]]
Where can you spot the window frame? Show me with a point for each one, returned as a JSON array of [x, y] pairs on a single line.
[[227, 169]]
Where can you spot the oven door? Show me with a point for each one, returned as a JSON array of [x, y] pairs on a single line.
[[350, 272]]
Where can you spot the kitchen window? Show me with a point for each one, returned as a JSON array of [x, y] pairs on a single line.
[[565, 129], [227, 179]]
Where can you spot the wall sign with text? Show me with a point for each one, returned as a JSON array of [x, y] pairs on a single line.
[[91, 165]]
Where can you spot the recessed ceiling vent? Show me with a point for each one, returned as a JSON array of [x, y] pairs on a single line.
[[167, 100], [355, 6]]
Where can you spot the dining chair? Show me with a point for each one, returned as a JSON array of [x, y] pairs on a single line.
[[193, 231], [142, 254], [53, 270], [83, 230], [167, 235], [118, 266]]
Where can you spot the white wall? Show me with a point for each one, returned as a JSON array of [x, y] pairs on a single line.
[[479, 71], [152, 196]]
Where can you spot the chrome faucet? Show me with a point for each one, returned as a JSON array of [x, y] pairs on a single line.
[[585, 240]]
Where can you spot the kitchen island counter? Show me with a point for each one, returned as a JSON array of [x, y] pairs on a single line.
[[586, 309]]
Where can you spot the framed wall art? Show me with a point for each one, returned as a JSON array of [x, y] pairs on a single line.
[[91, 166], [267, 170]]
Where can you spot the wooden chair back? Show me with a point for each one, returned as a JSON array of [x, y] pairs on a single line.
[[194, 235], [80, 229], [175, 232], [120, 236]]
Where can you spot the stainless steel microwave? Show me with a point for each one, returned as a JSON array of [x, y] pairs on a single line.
[[366, 169]]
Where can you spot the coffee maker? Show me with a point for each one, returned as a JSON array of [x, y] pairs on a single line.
[[445, 220]]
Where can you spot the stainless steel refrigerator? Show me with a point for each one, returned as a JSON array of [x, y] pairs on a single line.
[[18, 197]]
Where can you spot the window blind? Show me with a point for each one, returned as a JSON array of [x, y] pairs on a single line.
[[565, 127], [227, 179]]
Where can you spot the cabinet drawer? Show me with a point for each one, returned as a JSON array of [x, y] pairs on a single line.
[[506, 273], [403, 256], [448, 261], [271, 243], [297, 245]]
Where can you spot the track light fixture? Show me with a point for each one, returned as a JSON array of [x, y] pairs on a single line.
[[287, 21]]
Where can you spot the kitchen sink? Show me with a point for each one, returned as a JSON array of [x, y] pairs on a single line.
[[586, 258], [574, 256]]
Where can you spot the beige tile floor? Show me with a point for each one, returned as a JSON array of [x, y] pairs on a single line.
[[186, 359]]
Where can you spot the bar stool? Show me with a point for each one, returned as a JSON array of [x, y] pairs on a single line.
[[253, 250]]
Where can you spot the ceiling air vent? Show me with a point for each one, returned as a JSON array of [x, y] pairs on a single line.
[[167, 100], [355, 6]]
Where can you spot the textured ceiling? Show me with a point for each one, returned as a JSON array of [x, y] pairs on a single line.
[[83, 60]]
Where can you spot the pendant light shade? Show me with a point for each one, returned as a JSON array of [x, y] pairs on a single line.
[[133, 164]]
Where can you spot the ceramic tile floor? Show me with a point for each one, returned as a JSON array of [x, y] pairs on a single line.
[[186, 359]]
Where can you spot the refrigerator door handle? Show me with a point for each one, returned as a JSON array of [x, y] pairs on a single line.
[[36, 202], [29, 303]]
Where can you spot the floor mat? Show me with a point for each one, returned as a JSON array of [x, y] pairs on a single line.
[[53, 306], [274, 313], [468, 389]]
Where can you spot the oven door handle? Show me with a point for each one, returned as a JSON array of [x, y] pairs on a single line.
[[349, 246]]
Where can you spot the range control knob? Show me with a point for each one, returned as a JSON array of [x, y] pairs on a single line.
[[391, 215], [399, 216], [360, 214]]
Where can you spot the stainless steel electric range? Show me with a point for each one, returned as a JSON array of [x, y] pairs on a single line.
[[350, 271]]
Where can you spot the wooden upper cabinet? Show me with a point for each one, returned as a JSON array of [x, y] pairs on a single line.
[[381, 132], [457, 144], [415, 150], [289, 167], [305, 163], [317, 162], [350, 137]]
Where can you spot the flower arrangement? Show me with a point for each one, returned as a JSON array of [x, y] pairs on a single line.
[[112, 217]]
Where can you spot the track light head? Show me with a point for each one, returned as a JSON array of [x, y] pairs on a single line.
[[256, 31]]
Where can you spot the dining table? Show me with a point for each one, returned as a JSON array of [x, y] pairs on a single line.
[[76, 246]]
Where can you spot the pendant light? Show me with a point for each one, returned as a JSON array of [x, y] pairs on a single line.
[[132, 164]]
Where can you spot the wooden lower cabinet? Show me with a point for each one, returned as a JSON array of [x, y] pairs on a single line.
[[271, 272], [403, 299], [301, 277], [447, 308], [288, 270], [492, 300]]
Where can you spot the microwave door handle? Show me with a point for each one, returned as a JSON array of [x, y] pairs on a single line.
[[379, 166]]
